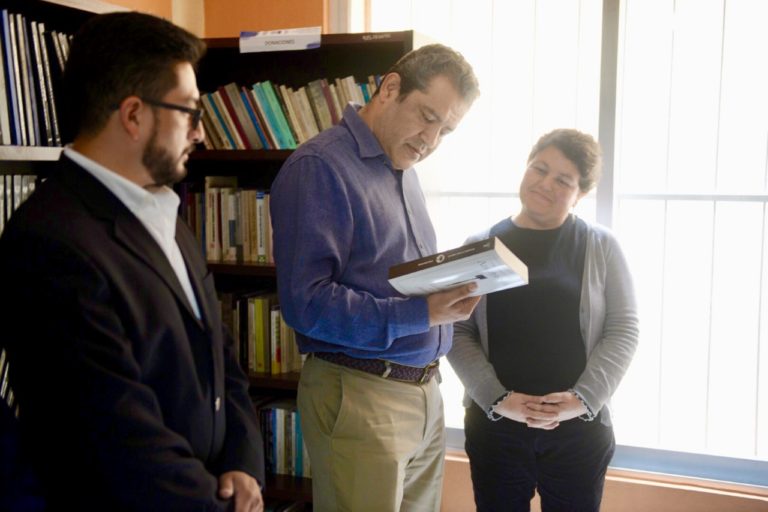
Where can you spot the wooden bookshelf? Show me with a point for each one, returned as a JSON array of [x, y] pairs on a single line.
[[339, 55]]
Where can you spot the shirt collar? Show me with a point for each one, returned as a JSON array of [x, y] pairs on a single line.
[[134, 197], [367, 142]]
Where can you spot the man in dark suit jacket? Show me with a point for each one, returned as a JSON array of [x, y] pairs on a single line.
[[130, 396]]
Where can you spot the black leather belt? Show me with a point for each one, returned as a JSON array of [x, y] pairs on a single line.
[[382, 368]]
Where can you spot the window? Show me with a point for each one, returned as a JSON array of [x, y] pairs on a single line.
[[688, 200]]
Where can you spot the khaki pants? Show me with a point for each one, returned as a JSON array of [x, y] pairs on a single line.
[[374, 444]]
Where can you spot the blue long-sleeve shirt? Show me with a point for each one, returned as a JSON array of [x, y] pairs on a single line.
[[341, 216]]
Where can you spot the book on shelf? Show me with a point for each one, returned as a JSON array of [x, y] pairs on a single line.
[[489, 263], [224, 94], [14, 190], [285, 449], [258, 123]]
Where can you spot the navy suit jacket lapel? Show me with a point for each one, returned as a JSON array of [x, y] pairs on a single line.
[[190, 251], [128, 230]]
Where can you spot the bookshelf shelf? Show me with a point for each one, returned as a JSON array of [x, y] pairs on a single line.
[[243, 269], [284, 487], [239, 155], [27, 159], [283, 381], [24, 153]]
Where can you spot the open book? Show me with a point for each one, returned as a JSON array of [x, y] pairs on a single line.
[[488, 262]]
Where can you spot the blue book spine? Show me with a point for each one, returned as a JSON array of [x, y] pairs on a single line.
[[254, 119], [364, 90], [299, 446], [261, 96], [220, 119]]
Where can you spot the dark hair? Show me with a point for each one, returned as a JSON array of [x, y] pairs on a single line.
[[578, 147], [117, 55], [418, 67]]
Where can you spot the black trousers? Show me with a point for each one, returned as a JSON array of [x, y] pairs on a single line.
[[510, 461]]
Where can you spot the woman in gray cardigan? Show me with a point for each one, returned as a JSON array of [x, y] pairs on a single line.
[[540, 362]]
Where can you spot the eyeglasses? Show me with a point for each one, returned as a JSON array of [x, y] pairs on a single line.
[[196, 113]]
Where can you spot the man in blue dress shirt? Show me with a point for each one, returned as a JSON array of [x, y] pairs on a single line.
[[345, 207]]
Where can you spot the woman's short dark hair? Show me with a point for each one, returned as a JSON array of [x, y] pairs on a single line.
[[578, 147], [117, 55], [418, 67]]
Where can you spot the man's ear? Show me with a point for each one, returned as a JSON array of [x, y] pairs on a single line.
[[390, 86], [131, 113]]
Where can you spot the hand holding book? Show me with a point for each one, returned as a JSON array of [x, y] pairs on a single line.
[[453, 305]]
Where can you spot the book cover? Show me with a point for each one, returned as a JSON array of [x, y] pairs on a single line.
[[39, 78], [233, 122], [305, 109], [10, 74], [488, 262], [319, 104], [227, 121], [280, 113], [49, 86], [241, 114], [218, 121], [257, 124], [15, 63], [263, 111], [28, 82], [5, 121]]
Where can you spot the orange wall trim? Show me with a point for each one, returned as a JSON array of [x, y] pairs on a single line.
[[227, 18], [162, 8]]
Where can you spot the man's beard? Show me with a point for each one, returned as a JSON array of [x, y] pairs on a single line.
[[163, 168]]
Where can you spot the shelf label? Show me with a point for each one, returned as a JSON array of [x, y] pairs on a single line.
[[280, 40]]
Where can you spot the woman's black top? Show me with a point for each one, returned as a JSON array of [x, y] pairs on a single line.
[[535, 342]]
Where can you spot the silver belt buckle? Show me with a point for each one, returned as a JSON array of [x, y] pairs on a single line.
[[426, 373], [387, 369]]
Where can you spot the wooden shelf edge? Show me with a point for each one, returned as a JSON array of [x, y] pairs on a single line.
[[286, 487], [243, 269], [275, 155], [30, 153], [269, 381]]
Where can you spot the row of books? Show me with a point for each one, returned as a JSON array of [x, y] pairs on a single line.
[[265, 343], [232, 224], [31, 63], [14, 190], [285, 451], [274, 116]]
